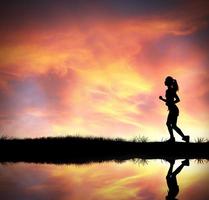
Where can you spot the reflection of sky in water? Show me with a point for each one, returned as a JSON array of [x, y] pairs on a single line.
[[100, 181]]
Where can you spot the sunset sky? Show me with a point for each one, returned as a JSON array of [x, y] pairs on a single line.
[[98, 67]]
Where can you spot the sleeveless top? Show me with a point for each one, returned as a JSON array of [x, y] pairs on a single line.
[[170, 97]]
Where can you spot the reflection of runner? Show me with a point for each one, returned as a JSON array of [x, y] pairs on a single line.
[[171, 100], [172, 181]]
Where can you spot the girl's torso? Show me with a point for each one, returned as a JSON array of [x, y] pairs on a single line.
[[170, 100]]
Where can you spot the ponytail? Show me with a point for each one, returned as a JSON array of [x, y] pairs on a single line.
[[175, 85], [170, 81]]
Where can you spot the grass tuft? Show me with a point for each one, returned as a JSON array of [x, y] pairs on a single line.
[[140, 161], [141, 139], [4, 137], [201, 161], [201, 140]]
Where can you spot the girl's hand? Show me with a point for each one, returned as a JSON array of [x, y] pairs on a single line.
[[160, 97]]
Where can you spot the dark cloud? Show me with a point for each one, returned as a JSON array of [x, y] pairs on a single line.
[[23, 93], [41, 92], [200, 39], [29, 12], [130, 7], [31, 182], [143, 7]]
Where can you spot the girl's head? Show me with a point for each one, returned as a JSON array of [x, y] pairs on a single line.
[[171, 82]]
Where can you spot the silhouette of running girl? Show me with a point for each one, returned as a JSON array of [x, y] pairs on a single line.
[[171, 98], [172, 181]]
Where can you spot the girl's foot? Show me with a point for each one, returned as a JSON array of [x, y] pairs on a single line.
[[185, 162], [186, 138], [172, 139]]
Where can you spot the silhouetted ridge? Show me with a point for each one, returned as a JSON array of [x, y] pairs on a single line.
[[84, 150]]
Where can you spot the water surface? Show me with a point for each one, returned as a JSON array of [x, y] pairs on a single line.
[[103, 181]]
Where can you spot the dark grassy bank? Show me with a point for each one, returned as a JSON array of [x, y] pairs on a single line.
[[84, 150]]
